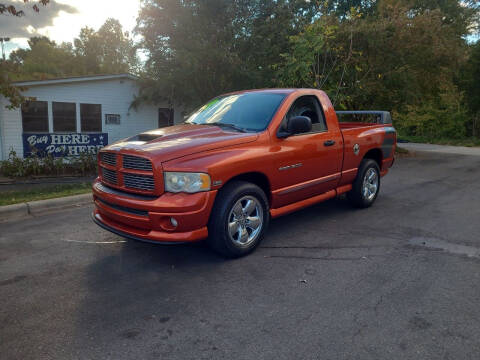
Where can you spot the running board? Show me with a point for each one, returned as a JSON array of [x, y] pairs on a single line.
[[284, 210]]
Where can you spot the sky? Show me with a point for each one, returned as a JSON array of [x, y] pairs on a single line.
[[61, 20]]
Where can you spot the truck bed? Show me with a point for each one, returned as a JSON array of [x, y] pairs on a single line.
[[367, 136]]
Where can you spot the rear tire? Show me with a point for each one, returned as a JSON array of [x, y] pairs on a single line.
[[366, 186], [239, 219]]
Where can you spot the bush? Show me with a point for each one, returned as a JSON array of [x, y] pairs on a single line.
[[15, 166], [441, 118]]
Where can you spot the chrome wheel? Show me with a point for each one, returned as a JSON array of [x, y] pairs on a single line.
[[245, 221], [370, 184]]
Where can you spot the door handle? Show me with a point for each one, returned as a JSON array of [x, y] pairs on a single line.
[[329, 143]]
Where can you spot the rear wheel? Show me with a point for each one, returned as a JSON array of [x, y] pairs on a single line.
[[366, 186], [239, 219]]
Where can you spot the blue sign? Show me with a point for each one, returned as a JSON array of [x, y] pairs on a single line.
[[63, 144]]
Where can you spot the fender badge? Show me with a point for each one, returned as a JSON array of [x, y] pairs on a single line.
[[356, 149], [290, 166], [217, 182]]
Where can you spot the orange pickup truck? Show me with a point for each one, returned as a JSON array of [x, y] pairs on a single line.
[[238, 161]]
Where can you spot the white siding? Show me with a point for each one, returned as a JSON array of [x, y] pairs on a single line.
[[11, 130], [115, 96]]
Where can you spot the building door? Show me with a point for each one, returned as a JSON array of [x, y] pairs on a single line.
[[165, 117]]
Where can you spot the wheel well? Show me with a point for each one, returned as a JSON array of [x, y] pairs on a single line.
[[375, 154], [256, 178]]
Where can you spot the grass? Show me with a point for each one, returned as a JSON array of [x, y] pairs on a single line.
[[470, 142], [401, 151], [50, 192]]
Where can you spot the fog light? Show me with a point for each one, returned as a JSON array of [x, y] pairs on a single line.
[[174, 222]]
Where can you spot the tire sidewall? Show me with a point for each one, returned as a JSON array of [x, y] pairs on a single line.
[[219, 223], [366, 166], [356, 195]]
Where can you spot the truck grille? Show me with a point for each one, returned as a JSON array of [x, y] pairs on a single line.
[[109, 158], [109, 176], [136, 163], [141, 182]]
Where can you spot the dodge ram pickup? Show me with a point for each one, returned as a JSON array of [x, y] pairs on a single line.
[[235, 163]]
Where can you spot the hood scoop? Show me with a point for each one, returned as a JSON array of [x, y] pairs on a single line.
[[143, 138]]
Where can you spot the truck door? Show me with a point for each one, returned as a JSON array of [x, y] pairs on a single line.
[[308, 163]]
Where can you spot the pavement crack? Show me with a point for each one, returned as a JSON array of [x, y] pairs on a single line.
[[326, 258]]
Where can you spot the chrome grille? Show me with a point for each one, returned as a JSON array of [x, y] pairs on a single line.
[[141, 182], [136, 163], [109, 176], [109, 158]]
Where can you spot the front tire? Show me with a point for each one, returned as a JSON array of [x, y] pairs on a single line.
[[239, 219], [366, 186]]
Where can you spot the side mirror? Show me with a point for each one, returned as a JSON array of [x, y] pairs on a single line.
[[296, 125]]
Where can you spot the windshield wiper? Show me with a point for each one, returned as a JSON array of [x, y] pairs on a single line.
[[231, 126]]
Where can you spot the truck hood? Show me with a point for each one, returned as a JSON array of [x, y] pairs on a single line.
[[180, 140]]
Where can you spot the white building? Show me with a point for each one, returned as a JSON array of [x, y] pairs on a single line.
[[69, 115]]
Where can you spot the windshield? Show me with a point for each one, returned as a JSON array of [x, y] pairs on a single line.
[[243, 112]]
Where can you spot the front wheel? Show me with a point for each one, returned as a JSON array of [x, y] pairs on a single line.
[[366, 186], [239, 219]]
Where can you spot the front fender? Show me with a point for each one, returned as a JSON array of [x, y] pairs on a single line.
[[227, 163]]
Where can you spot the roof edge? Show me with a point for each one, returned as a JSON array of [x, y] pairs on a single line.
[[75, 79]]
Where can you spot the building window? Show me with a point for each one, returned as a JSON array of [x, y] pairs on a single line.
[[35, 116], [64, 117], [91, 117], [165, 117], [112, 119]]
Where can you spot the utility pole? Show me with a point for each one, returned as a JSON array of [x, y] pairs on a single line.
[[4, 40]]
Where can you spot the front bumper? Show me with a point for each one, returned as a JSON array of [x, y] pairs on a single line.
[[149, 219]]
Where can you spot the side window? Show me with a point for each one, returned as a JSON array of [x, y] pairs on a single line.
[[64, 117], [91, 117], [310, 107], [35, 116]]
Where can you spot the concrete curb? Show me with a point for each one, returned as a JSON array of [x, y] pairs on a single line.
[[39, 207], [12, 212]]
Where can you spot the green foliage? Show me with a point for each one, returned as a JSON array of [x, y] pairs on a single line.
[[15, 166], [407, 56], [199, 49], [12, 93], [470, 79], [440, 118], [109, 50], [44, 59], [402, 56]]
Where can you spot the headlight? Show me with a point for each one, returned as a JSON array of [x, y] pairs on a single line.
[[186, 182]]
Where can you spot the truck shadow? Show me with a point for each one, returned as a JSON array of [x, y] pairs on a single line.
[[198, 253], [140, 285]]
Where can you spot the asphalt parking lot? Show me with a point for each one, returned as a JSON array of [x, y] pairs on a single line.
[[400, 280]]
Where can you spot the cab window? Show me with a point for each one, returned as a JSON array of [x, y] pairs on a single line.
[[310, 107]]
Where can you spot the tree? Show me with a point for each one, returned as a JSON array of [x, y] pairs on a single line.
[[108, 50], [198, 49], [191, 49], [469, 81], [8, 9], [10, 92], [269, 25], [45, 59], [397, 55]]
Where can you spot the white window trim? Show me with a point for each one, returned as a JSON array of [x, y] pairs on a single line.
[[78, 124], [50, 116]]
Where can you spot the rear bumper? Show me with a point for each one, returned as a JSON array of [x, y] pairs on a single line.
[[150, 219]]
